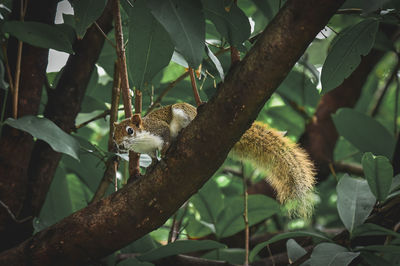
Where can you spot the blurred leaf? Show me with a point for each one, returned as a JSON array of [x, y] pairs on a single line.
[[142, 245], [382, 248], [46, 130], [85, 13], [91, 104], [294, 250], [58, 202], [373, 259], [276, 238], [346, 53], [230, 220], [355, 201], [184, 21], [332, 255], [133, 262], [232, 255], [150, 52], [209, 202], [298, 87], [179, 247], [365, 133], [379, 173], [229, 20], [40, 34], [368, 229]]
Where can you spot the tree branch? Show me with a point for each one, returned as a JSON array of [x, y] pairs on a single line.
[[146, 204]]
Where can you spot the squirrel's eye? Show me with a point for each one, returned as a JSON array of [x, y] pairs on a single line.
[[129, 130]]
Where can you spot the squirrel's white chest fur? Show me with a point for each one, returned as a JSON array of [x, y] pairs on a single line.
[[144, 142]]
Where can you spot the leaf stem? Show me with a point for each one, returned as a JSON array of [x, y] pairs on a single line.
[[194, 87]]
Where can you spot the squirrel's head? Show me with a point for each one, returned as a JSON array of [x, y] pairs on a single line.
[[127, 129]]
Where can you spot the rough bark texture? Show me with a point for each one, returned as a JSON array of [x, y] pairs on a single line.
[[15, 145], [144, 205], [320, 137]]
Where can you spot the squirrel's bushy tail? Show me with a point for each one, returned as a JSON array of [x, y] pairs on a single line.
[[290, 172]]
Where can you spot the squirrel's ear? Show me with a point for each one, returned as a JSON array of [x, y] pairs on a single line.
[[136, 120]]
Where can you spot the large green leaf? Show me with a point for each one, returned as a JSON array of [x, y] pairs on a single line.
[[365, 133], [379, 174], [276, 238], [184, 21], [149, 48], [346, 53], [230, 220], [179, 247], [40, 34], [209, 202], [331, 255], [46, 130], [86, 12], [229, 20], [294, 250], [299, 88], [355, 201], [234, 256], [368, 229]]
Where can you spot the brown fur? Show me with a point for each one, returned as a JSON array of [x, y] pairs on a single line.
[[289, 170]]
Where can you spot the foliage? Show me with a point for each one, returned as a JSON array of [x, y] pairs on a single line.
[[164, 38]]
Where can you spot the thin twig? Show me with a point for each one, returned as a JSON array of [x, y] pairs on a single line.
[[105, 35], [18, 65], [110, 174], [166, 90], [246, 221], [122, 60], [352, 168], [20, 221], [194, 87]]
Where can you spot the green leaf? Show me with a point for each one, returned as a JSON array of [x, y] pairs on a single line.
[[133, 262], [379, 174], [332, 255], [40, 35], [46, 130], [234, 256], [276, 238], [229, 19], [294, 250], [382, 248], [209, 202], [86, 12], [230, 220], [298, 87], [58, 201], [365, 133], [149, 48], [346, 53], [184, 21], [179, 247], [368, 229], [355, 201], [216, 62]]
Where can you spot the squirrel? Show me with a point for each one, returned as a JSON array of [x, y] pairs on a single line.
[[290, 171]]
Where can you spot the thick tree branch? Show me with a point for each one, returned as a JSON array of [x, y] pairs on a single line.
[[146, 204], [320, 137], [62, 108], [15, 145]]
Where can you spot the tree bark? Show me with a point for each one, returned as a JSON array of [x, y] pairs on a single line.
[[146, 204], [16, 145]]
